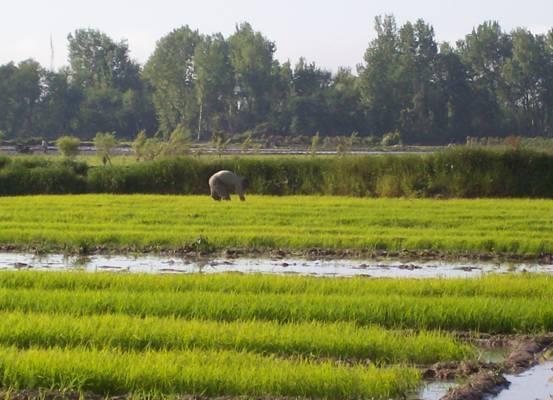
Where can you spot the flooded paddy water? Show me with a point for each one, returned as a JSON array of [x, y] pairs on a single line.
[[535, 383], [316, 267]]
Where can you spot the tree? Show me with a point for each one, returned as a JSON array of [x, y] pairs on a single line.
[[343, 100], [452, 78], [524, 74], [98, 61], [251, 57], [20, 93], [379, 86], [423, 116], [59, 106], [171, 73], [484, 52], [214, 84]]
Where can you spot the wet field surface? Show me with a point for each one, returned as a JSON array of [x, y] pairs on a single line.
[[165, 264], [535, 383]]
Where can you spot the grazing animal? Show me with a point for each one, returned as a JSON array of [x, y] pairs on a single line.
[[224, 182]]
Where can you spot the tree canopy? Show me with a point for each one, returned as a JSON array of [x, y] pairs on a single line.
[[489, 83]]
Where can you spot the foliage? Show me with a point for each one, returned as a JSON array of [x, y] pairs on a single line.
[[315, 144], [490, 83], [139, 144], [220, 142], [453, 173], [391, 139], [68, 146], [178, 143], [105, 143]]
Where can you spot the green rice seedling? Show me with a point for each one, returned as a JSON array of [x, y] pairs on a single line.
[[479, 313], [508, 286], [209, 373], [336, 340], [82, 223]]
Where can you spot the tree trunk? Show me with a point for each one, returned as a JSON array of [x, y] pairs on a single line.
[[200, 121]]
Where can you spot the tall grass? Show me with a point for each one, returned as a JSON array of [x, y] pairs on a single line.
[[137, 222], [336, 340], [209, 373], [451, 173]]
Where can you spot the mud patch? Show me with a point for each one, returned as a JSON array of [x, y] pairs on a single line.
[[488, 378]]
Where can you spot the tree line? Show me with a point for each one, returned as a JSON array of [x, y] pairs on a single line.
[[490, 83]]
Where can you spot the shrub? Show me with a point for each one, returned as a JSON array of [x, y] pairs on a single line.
[[391, 139], [105, 143], [68, 146]]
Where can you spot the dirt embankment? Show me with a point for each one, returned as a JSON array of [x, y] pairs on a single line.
[[487, 378]]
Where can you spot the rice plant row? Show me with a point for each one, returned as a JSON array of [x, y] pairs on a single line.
[[480, 313], [210, 373], [507, 286], [314, 339], [82, 223]]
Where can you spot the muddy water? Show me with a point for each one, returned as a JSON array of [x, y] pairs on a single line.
[[368, 268], [536, 383], [433, 390]]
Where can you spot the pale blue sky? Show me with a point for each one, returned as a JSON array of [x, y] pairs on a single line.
[[331, 33]]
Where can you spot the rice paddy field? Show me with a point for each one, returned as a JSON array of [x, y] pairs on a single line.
[[165, 336], [259, 336], [83, 223]]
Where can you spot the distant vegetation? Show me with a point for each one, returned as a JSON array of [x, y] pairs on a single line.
[[409, 88], [455, 173]]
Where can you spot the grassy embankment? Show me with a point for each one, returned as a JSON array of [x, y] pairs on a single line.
[[249, 335], [148, 222]]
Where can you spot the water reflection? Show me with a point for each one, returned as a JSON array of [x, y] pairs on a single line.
[[166, 264]]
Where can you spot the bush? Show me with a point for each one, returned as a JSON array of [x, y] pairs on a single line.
[[105, 143], [68, 146], [391, 139]]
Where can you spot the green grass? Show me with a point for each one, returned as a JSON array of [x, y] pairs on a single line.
[[82, 223]]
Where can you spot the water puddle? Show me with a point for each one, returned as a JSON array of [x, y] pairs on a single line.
[[434, 390], [535, 383], [166, 264], [494, 355]]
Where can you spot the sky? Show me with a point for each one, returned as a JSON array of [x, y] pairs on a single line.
[[331, 33]]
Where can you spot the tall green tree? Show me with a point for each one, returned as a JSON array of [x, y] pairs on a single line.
[[98, 61], [379, 85], [251, 57], [214, 84], [20, 92], [524, 74], [484, 51], [59, 104], [171, 73]]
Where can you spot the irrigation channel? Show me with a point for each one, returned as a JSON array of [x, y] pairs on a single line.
[[384, 268], [534, 381]]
